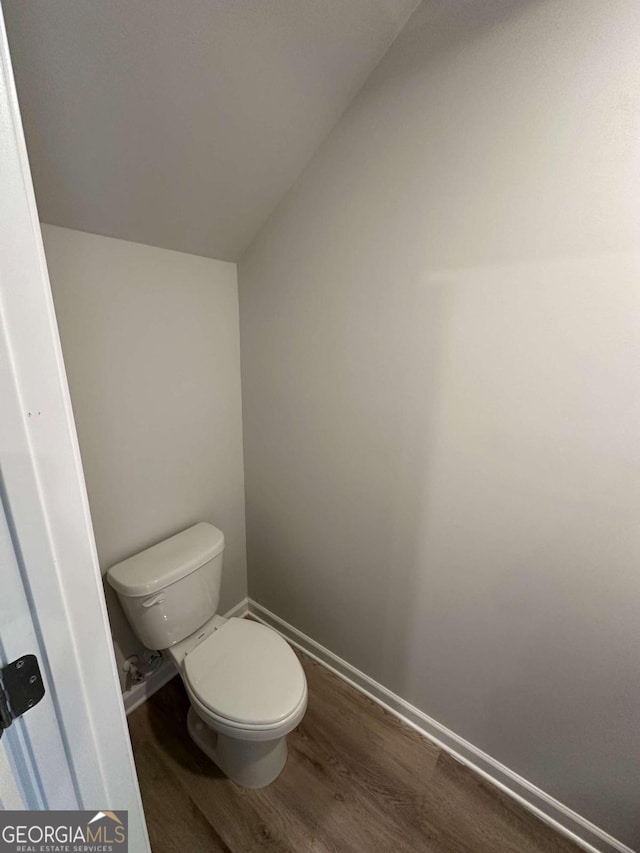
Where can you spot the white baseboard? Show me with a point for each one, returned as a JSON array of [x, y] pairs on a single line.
[[137, 694], [548, 809]]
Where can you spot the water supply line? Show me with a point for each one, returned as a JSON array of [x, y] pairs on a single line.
[[138, 671]]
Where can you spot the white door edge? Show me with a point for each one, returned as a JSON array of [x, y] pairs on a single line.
[[59, 555]]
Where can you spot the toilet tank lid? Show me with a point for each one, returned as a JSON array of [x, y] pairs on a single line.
[[168, 561]]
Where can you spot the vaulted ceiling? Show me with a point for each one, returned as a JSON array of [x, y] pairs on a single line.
[[182, 123]]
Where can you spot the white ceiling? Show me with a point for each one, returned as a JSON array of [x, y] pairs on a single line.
[[182, 123]]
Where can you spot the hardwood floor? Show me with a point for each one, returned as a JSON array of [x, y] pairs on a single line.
[[356, 781]]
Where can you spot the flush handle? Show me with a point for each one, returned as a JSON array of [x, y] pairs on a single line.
[[157, 599]]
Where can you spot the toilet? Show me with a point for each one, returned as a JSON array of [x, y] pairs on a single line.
[[246, 686]]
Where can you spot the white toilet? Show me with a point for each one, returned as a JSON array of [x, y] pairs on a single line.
[[246, 686]]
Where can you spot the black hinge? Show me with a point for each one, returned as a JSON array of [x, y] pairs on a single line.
[[21, 687]]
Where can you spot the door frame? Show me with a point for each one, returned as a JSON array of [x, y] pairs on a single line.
[[49, 505]]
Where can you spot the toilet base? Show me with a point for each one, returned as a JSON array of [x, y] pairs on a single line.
[[250, 764]]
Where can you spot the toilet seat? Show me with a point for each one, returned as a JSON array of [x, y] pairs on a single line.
[[255, 733], [245, 677]]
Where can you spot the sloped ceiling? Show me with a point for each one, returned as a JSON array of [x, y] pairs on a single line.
[[182, 123]]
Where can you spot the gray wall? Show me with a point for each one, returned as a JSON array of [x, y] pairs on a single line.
[[440, 334], [151, 349]]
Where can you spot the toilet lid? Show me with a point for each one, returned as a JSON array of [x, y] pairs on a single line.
[[246, 673]]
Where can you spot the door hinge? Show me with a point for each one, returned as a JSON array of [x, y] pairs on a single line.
[[21, 687]]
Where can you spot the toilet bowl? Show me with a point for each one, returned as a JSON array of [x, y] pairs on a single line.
[[247, 691], [246, 686]]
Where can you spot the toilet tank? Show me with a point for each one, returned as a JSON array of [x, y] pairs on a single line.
[[170, 590]]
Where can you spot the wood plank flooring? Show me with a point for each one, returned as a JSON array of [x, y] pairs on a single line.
[[356, 781]]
